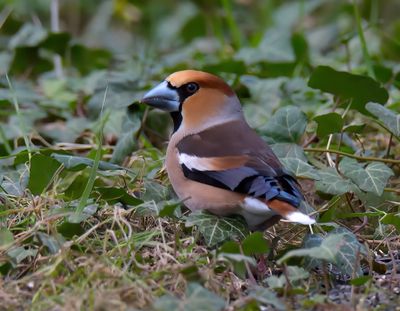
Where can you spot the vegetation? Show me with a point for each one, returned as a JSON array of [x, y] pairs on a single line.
[[88, 220]]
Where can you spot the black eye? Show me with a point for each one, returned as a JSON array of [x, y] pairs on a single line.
[[192, 87]]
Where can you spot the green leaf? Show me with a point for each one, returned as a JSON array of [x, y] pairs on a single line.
[[300, 47], [86, 59], [169, 209], [386, 116], [196, 298], [18, 254], [293, 273], [231, 66], [288, 150], [69, 229], [76, 163], [127, 143], [114, 194], [312, 240], [392, 219], [339, 247], [329, 123], [361, 280], [217, 229], [267, 297], [29, 58], [6, 237], [255, 244], [28, 36], [331, 182], [370, 178], [193, 28], [360, 89], [53, 243], [300, 168], [383, 74], [41, 172], [286, 125], [56, 42], [354, 128], [231, 251]]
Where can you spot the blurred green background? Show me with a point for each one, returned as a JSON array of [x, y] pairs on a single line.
[[264, 49]]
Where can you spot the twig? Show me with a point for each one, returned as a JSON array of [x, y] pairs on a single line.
[[310, 140], [328, 155], [393, 161], [252, 280], [389, 145]]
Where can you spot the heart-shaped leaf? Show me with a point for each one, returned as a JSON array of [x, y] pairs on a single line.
[[41, 172], [286, 125], [216, 229], [329, 123], [339, 247], [386, 116], [196, 298], [371, 178], [331, 182], [300, 168], [360, 89]]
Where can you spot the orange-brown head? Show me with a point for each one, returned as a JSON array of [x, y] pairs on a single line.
[[195, 100]]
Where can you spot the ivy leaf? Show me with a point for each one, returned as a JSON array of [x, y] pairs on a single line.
[[386, 116], [53, 243], [300, 168], [114, 194], [18, 254], [293, 273], [286, 125], [329, 123], [196, 298], [28, 36], [392, 219], [372, 178], [354, 128], [255, 244], [267, 297], [360, 89], [288, 150], [312, 240], [216, 229], [6, 237], [339, 247], [331, 182], [41, 172], [79, 163]]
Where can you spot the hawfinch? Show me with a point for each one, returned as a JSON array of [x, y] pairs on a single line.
[[215, 161]]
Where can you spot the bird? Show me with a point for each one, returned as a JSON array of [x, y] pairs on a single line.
[[215, 161]]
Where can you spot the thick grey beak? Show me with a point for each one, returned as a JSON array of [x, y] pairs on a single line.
[[162, 97]]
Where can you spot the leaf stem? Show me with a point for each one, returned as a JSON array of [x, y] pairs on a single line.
[[236, 36], [393, 161], [364, 47]]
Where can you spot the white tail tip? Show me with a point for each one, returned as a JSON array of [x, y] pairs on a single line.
[[300, 218]]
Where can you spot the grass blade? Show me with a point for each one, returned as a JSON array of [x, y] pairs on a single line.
[[76, 217]]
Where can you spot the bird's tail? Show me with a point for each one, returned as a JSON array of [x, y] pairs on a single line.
[[289, 212]]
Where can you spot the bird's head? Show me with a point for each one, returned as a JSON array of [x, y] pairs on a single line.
[[195, 100]]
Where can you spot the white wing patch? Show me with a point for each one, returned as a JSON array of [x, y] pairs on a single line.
[[193, 162]]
